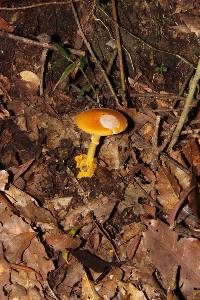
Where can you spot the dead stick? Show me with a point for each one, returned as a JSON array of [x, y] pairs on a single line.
[[37, 43], [119, 48], [93, 54], [186, 108]]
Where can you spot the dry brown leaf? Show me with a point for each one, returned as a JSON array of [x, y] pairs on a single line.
[[88, 289], [20, 170], [167, 252], [183, 178], [29, 208], [4, 25], [130, 291], [101, 207], [168, 197], [192, 22], [74, 273], [61, 241], [17, 245]]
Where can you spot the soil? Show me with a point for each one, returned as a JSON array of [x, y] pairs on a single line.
[[61, 233]]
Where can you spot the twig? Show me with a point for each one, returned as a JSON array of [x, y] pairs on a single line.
[[45, 39], [183, 87], [186, 108], [35, 5], [151, 200], [155, 151], [38, 44], [93, 54], [119, 48], [167, 158], [147, 44]]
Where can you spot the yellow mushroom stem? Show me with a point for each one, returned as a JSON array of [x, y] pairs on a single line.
[[85, 163], [91, 150]]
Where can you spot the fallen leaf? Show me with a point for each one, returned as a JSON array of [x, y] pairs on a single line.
[[192, 22], [129, 291], [166, 252], [61, 241], [168, 196], [101, 208], [4, 25], [88, 289]]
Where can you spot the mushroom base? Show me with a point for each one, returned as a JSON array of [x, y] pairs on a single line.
[[85, 170]]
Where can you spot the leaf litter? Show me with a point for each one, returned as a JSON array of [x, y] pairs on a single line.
[[132, 230]]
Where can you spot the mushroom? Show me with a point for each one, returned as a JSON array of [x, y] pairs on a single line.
[[97, 122]]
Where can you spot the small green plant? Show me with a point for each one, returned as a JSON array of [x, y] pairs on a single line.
[[161, 69], [80, 64]]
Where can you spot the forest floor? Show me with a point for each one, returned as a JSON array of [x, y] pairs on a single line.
[[132, 230]]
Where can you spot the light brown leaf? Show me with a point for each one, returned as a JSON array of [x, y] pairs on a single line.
[[167, 195], [88, 289], [61, 241], [130, 291]]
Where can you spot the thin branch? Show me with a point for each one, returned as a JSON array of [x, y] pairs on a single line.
[[93, 54], [119, 47], [186, 109], [37, 43]]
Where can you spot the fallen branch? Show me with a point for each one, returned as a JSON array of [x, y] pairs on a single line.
[[186, 109]]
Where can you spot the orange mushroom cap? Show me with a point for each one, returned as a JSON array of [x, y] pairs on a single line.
[[101, 121]]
